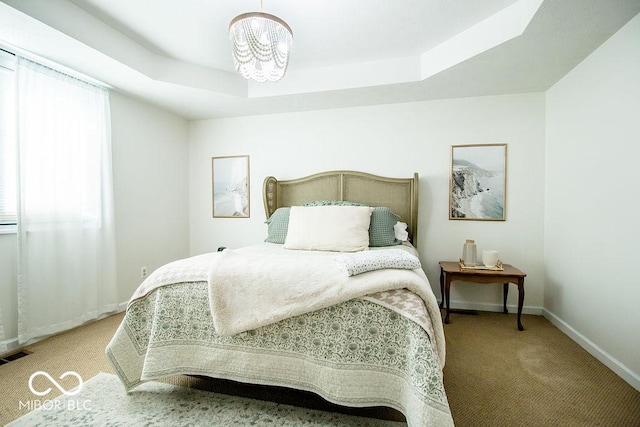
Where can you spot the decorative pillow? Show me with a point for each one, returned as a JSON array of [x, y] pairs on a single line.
[[329, 228], [381, 231], [362, 262], [400, 230], [277, 225], [333, 203]]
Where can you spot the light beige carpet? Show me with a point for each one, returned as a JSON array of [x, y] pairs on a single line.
[[498, 376]]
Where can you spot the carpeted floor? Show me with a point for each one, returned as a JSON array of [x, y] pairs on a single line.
[[495, 375], [498, 376], [80, 350]]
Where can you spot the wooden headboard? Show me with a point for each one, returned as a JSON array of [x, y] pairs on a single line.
[[399, 194]]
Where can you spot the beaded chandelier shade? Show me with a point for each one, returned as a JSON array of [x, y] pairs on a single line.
[[261, 46]]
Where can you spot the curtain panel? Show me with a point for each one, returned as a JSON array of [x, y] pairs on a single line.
[[66, 236]]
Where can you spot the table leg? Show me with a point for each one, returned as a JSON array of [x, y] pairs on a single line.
[[520, 301], [505, 292], [447, 289], [441, 287]]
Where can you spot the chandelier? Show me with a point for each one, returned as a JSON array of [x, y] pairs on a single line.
[[261, 45]]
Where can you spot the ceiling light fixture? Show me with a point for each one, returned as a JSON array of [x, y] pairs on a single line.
[[261, 45]]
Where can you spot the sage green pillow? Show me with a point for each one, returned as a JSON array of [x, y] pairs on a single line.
[[277, 225], [381, 232]]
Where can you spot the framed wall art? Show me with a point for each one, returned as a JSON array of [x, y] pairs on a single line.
[[478, 181], [230, 186]]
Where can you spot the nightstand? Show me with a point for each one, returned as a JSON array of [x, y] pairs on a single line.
[[451, 271]]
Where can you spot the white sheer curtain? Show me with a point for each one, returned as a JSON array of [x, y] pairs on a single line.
[[66, 247]]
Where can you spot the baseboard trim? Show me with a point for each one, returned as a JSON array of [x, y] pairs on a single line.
[[11, 344], [608, 360]]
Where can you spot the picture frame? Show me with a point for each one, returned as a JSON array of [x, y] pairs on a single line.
[[478, 182], [230, 187]]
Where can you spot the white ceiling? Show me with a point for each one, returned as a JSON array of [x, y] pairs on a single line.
[[176, 53]]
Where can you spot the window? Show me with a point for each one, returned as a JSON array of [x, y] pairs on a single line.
[[8, 184]]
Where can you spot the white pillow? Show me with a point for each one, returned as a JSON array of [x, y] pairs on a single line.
[[328, 228]]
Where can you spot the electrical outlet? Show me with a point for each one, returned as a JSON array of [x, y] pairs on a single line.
[[143, 272]]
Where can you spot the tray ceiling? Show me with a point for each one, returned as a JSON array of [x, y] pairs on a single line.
[[177, 54]]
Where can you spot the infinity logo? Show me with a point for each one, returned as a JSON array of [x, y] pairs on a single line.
[[55, 383]]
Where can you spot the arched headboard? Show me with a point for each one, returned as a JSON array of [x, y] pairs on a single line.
[[399, 194]]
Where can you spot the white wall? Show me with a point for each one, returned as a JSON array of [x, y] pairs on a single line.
[[391, 140], [592, 285], [150, 168]]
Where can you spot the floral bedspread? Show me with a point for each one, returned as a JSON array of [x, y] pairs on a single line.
[[357, 353]]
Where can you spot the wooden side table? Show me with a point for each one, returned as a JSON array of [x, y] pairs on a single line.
[[451, 271]]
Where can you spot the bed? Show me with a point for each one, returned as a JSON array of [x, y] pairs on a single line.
[[356, 332]]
